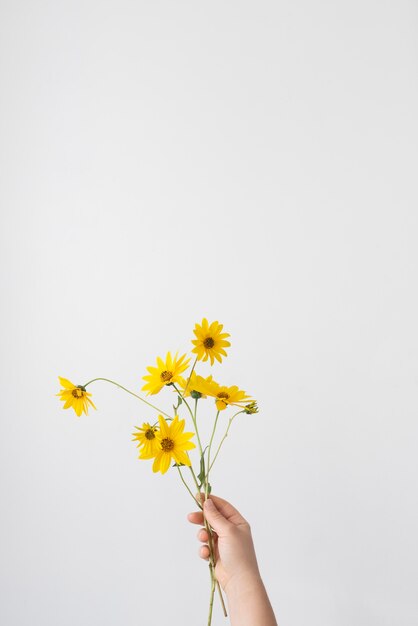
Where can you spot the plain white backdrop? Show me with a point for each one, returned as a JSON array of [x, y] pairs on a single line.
[[254, 163]]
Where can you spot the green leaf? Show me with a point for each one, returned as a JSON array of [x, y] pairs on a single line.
[[202, 473], [178, 404]]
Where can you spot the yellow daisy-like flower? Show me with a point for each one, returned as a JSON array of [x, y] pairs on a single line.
[[75, 396], [147, 441], [166, 373], [196, 386], [210, 341], [173, 444], [224, 396]]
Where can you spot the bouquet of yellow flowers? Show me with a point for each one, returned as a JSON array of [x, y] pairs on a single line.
[[164, 440]]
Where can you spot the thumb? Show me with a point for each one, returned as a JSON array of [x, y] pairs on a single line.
[[215, 518]]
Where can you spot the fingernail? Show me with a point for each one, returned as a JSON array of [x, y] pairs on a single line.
[[208, 504]]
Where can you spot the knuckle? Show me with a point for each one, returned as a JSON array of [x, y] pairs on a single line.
[[244, 525]]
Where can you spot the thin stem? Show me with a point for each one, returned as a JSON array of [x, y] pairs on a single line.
[[190, 375], [223, 439], [195, 425], [169, 419], [215, 582], [209, 449], [212, 593], [221, 598], [195, 479], [193, 419], [212, 563], [209, 531], [183, 399], [211, 546], [188, 488], [127, 391]]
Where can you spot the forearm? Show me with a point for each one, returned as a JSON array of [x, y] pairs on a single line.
[[249, 604]]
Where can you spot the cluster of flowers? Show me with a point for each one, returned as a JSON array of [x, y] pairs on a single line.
[[165, 441]]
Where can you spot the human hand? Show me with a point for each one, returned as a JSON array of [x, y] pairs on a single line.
[[236, 561]]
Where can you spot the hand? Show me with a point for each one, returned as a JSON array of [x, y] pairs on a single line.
[[236, 562]]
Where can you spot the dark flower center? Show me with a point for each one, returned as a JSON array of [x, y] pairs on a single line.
[[166, 376], [77, 392], [167, 444], [150, 434], [209, 342], [223, 395]]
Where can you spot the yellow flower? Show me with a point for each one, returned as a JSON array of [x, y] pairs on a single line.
[[196, 386], [173, 444], [147, 440], [166, 373], [251, 408], [226, 395], [75, 396], [210, 341]]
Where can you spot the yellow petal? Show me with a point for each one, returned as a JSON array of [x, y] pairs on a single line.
[[164, 428], [157, 461], [165, 462], [181, 457], [66, 383]]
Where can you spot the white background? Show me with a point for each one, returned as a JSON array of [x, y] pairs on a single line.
[[252, 162]]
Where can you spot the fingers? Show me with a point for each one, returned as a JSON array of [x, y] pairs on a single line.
[[196, 518], [219, 523], [228, 511], [203, 535], [204, 552], [225, 508]]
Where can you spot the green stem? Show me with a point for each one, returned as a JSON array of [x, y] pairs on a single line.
[[209, 449], [221, 598], [195, 479], [127, 391], [212, 563], [183, 399], [223, 439], [212, 558], [214, 581], [190, 375], [212, 593], [188, 488], [194, 419], [211, 546], [195, 425]]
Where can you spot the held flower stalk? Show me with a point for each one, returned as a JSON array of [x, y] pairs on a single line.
[[171, 439]]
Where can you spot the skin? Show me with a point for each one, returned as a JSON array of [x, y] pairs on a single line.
[[236, 562]]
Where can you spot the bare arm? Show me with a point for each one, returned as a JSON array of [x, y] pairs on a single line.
[[236, 563]]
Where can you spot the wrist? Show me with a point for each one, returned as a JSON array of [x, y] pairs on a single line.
[[243, 583]]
